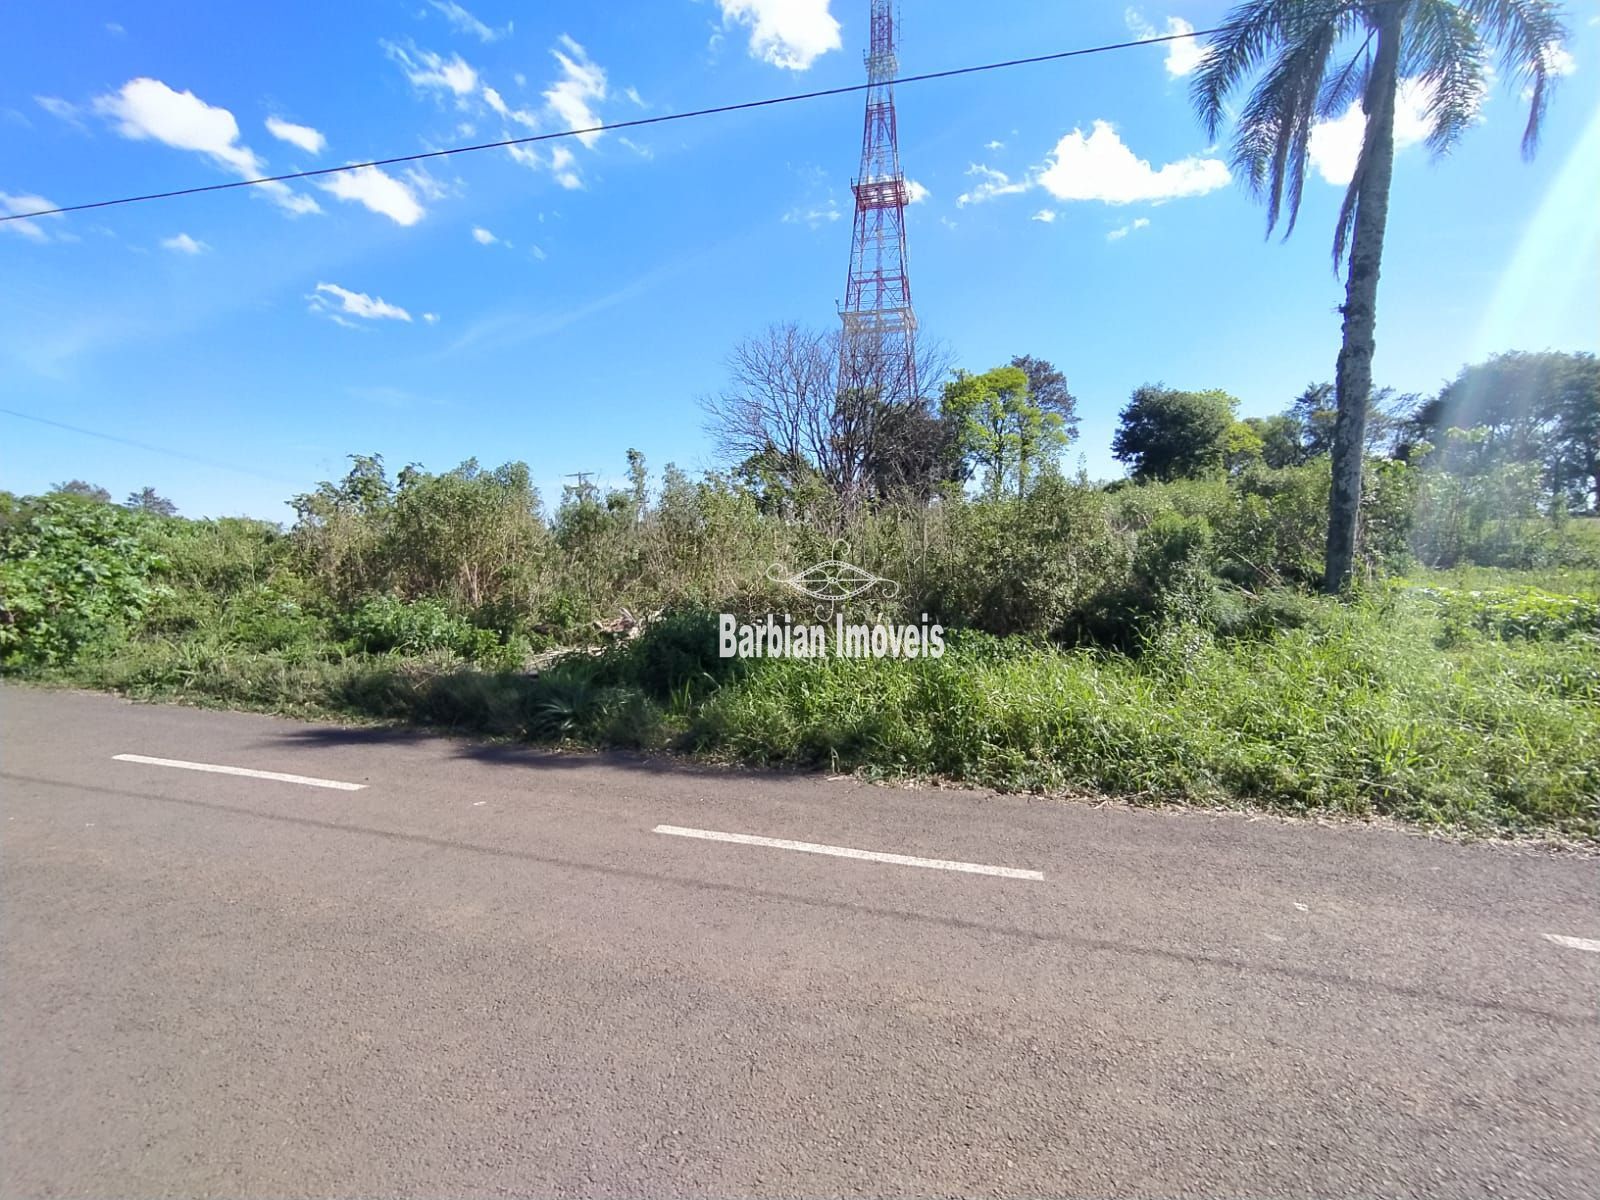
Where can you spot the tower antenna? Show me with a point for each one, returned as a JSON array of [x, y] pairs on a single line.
[[879, 323]]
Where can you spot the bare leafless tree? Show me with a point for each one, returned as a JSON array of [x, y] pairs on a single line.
[[819, 400], [779, 395]]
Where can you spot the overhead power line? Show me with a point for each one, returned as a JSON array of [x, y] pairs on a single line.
[[641, 122], [170, 453]]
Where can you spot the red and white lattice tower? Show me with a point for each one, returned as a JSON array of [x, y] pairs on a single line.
[[879, 323]]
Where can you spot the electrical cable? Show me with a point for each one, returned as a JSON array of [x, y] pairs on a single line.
[[639, 122]]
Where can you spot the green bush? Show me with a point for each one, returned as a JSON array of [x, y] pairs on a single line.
[[1171, 583], [1358, 712], [1156, 640], [388, 624], [1023, 565], [678, 651], [73, 573], [1275, 530]]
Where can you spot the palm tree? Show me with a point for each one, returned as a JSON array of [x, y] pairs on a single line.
[[1314, 59]]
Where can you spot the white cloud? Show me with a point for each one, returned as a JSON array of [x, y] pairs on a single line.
[[1187, 56], [995, 144], [815, 216], [1184, 56], [465, 22], [296, 204], [1100, 167], [425, 184], [378, 191], [148, 109], [916, 192], [562, 163], [1116, 235], [582, 83], [63, 110], [520, 115], [526, 155], [569, 102], [538, 253], [333, 300], [431, 318], [1336, 144], [482, 236], [184, 244], [995, 183], [1045, 215], [428, 70], [791, 34], [308, 139], [633, 97], [31, 230]]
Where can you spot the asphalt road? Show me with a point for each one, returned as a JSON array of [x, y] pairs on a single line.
[[486, 972]]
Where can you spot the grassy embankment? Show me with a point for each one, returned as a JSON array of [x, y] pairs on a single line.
[[1138, 660]]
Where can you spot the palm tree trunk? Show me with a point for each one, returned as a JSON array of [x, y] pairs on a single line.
[[1353, 382]]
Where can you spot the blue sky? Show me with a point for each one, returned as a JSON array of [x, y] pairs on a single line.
[[561, 308]]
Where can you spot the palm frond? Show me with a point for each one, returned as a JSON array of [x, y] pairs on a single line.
[[1250, 32], [1274, 135], [1527, 34], [1444, 52], [1343, 85]]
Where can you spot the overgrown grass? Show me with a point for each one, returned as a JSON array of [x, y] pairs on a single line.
[[1158, 643], [1397, 706]]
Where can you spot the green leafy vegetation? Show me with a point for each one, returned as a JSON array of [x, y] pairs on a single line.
[[1162, 641]]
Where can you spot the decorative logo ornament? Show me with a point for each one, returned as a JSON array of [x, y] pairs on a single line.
[[829, 582], [832, 581]]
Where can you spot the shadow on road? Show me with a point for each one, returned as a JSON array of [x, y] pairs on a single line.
[[520, 754]]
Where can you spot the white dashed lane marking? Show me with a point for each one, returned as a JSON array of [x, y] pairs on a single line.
[[1572, 943], [899, 860], [217, 769]]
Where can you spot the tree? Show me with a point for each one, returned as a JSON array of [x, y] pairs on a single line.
[[364, 491], [1002, 430], [1320, 57], [638, 483], [1049, 390], [1525, 408], [1280, 439], [921, 454], [821, 400], [1244, 445], [146, 500], [87, 491], [1575, 453], [1167, 434], [1316, 413]]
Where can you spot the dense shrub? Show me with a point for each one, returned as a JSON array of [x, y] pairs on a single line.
[[73, 572], [1158, 640], [1025, 565], [677, 653], [387, 624], [1275, 531]]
